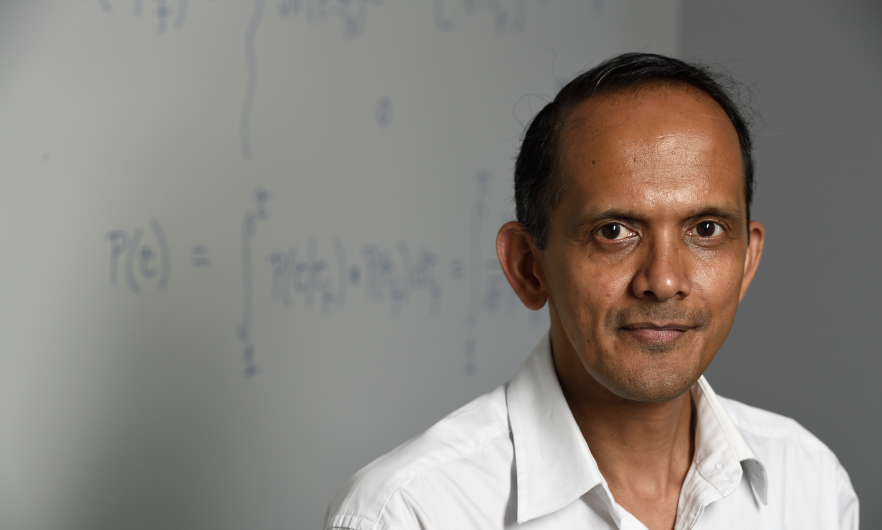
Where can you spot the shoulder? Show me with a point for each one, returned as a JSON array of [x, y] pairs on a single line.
[[799, 466], [475, 439], [765, 427]]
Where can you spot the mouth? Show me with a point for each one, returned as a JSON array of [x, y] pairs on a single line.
[[656, 332]]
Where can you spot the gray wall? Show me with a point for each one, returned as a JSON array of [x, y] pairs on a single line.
[[806, 340], [311, 192]]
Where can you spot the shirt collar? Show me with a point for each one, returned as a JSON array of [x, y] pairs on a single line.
[[721, 454], [554, 466]]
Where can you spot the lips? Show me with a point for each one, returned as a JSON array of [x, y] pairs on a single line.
[[656, 333]]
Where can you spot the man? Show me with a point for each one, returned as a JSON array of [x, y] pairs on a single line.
[[633, 191]]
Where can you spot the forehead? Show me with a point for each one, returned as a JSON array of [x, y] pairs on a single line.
[[662, 145]]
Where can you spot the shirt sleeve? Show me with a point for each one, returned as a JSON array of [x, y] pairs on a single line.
[[400, 511], [849, 513]]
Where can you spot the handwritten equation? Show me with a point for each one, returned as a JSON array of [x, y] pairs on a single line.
[[323, 274], [508, 16], [139, 260], [351, 13], [162, 10], [323, 279]]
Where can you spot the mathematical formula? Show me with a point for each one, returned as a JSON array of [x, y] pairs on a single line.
[[508, 16], [323, 274]]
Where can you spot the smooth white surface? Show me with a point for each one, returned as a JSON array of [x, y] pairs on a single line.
[[384, 135], [515, 458]]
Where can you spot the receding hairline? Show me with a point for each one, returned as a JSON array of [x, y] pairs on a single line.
[[634, 91]]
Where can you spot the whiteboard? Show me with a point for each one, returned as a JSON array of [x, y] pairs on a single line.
[[248, 246]]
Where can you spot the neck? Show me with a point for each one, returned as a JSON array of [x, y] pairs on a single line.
[[643, 450]]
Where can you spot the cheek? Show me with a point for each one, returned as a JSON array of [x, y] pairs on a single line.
[[718, 283], [584, 292]]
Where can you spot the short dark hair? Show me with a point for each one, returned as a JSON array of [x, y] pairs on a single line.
[[536, 192]]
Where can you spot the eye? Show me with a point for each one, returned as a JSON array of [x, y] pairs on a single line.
[[614, 231], [708, 229]]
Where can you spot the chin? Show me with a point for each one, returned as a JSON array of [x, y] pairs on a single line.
[[649, 384], [653, 372]]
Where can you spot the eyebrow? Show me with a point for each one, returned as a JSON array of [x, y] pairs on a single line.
[[727, 213], [724, 212]]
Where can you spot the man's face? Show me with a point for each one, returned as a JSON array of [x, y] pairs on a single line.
[[645, 256]]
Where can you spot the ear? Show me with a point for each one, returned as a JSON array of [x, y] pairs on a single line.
[[519, 259], [754, 253]]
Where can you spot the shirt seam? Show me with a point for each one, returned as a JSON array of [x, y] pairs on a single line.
[[808, 441], [349, 517], [800, 436], [433, 464]]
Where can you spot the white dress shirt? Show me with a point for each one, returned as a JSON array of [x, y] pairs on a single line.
[[515, 458]]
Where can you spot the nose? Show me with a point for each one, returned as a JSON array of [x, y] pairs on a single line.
[[662, 274]]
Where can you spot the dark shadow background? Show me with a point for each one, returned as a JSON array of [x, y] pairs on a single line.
[[806, 340]]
